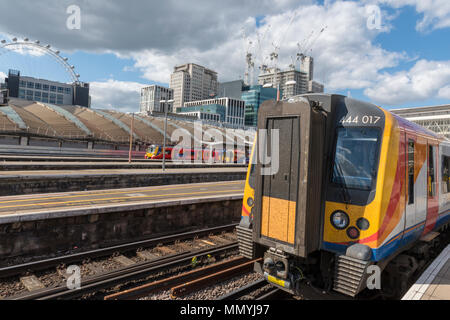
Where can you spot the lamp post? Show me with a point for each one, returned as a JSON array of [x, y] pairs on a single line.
[[131, 137], [165, 130]]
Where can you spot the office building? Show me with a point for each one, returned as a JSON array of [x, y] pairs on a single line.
[[253, 97], [231, 111], [292, 82], [288, 87], [151, 97], [41, 90], [192, 82], [231, 89], [307, 66], [210, 112]]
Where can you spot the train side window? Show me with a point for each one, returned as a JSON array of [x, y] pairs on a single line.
[[410, 171], [445, 174], [431, 172]]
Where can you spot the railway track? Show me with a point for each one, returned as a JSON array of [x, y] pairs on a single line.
[[161, 253], [76, 257], [244, 291], [124, 275], [182, 284], [257, 290]]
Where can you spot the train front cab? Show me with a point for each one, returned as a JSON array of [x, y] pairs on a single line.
[[282, 218], [364, 188]]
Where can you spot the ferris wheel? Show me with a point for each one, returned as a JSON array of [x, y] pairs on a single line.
[[15, 44]]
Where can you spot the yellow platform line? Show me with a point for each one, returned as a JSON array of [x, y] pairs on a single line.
[[108, 199], [155, 188]]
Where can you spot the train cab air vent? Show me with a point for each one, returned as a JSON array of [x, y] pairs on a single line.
[[350, 275], [245, 240]]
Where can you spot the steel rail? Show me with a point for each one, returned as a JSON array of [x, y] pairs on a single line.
[[271, 295], [243, 291], [167, 283], [220, 276], [53, 262], [126, 274]]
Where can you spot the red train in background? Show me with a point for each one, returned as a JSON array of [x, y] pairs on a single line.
[[155, 152]]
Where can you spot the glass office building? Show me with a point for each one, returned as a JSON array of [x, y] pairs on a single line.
[[254, 96]]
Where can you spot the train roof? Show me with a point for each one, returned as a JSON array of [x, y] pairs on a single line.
[[326, 100]]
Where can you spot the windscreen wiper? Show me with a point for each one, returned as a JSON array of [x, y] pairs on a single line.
[[343, 185]]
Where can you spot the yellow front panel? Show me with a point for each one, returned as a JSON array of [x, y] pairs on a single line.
[[375, 211], [278, 219], [291, 222]]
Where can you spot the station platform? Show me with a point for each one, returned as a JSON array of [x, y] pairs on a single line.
[[43, 225], [56, 205], [55, 173], [46, 181], [77, 165], [434, 283]]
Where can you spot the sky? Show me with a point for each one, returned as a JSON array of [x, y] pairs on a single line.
[[395, 53]]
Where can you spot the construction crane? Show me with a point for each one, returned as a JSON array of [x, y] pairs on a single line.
[[305, 47], [300, 46], [315, 39], [260, 40], [249, 62], [250, 57], [274, 56]]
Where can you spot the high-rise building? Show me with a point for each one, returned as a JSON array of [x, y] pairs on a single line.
[[151, 97], [253, 97], [307, 66], [293, 82], [47, 91], [192, 82]]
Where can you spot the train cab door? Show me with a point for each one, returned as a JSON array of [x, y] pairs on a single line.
[[432, 187], [279, 201], [411, 186]]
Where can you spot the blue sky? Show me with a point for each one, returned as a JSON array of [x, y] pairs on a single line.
[[406, 63]]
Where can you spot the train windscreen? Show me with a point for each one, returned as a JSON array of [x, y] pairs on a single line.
[[356, 157]]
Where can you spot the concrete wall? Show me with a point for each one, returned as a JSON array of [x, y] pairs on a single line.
[[49, 237], [24, 184], [75, 144], [9, 140], [43, 142]]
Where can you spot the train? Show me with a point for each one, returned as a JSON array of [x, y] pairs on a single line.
[[206, 154], [355, 187]]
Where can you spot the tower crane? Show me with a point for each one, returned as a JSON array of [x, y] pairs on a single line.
[[274, 55], [305, 47], [300, 46]]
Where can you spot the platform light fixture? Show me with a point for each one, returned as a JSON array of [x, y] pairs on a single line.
[[165, 130]]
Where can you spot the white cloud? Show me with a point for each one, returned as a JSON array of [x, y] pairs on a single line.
[[436, 13], [345, 56], [210, 33], [118, 95], [426, 79], [2, 76], [444, 92]]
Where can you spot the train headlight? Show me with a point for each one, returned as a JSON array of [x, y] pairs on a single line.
[[250, 201], [339, 220], [363, 224]]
